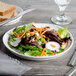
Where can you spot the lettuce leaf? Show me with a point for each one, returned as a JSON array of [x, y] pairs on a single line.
[[33, 53], [39, 40], [29, 26], [63, 32], [29, 47], [49, 52], [61, 49], [22, 29]]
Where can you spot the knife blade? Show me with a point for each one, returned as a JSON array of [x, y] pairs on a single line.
[[15, 17], [46, 75]]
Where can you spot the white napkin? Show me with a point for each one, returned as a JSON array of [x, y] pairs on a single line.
[[10, 66]]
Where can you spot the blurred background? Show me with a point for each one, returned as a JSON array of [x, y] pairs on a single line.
[[41, 4]]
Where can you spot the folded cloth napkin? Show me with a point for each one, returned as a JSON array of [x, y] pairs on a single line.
[[10, 66]]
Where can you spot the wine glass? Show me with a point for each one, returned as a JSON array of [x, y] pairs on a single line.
[[61, 19]]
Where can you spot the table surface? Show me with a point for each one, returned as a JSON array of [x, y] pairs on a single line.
[[45, 10]]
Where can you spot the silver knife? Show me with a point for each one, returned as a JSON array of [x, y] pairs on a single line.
[[72, 61], [73, 70], [46, 75], [22, 13]]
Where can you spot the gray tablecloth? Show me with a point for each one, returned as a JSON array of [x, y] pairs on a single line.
[[45, 10]]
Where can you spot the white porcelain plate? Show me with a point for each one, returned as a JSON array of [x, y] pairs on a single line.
[[5, 41], [17, 11]]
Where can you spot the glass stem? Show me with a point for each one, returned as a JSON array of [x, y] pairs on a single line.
[[62, 13], [62, 16], [61, 9]]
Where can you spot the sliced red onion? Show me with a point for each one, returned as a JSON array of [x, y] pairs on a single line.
[[15, 43], [33, 25]]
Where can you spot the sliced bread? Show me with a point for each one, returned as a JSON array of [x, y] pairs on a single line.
[[5, 17], [6, 8]]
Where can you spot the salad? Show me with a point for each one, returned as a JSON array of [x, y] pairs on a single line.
[[33, 41]]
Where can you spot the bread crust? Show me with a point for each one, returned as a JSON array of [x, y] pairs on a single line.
[[7, 11], [3, 19]]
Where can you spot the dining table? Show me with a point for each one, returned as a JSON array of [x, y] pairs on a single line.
[[44, 10]]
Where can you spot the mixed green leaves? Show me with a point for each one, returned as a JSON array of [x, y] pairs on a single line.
[[32, 50], [29, 50], [20, 29], [39, 40]]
